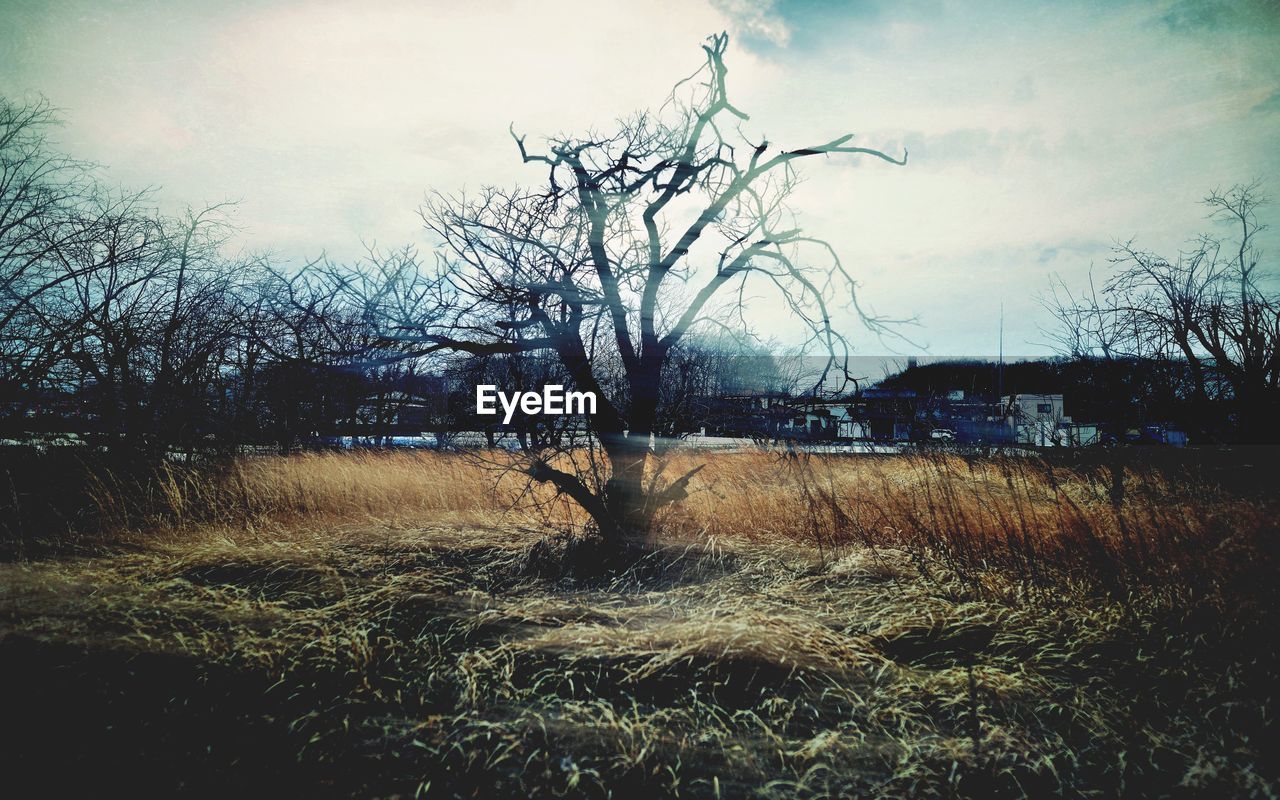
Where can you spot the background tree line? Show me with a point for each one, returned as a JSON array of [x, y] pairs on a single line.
[[141, 331], [138, 329]]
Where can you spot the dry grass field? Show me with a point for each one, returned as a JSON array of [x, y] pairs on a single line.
[[365, 624]]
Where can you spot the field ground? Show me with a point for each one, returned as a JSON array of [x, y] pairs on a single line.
[[338, 649]]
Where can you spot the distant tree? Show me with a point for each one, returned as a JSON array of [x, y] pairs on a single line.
[[42, 197], [707, 376], [1215, 307], [639, 236]]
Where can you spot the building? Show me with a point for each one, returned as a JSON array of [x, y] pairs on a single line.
[[890, 414], [1040, 420]]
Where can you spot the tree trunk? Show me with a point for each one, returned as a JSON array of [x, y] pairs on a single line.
[[625, 502]]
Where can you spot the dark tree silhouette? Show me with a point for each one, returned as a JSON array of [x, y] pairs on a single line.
[[1214, 307]]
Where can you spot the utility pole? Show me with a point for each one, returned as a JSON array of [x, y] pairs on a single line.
[[1000, 359]]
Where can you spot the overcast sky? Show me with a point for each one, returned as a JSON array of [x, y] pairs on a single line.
[[1039, 133]]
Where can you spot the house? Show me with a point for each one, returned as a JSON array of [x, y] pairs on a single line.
[[1034, 418], [1041, 420], [890, 414], [838, 421], [398, 411], [853, 429], [813, 420]]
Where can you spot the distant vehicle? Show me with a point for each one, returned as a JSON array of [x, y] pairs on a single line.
[[942, 434], [426, 441], [1156, 434]]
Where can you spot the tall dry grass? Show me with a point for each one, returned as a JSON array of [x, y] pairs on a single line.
[[1041, 524], [423, 658]]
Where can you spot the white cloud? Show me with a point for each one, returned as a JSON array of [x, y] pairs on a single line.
[[756, 19], [1036, 129]]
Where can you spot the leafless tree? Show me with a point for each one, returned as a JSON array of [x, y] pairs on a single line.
[[639, 236], [1214, 307], [42, 199], [142, 329], [40, 189]]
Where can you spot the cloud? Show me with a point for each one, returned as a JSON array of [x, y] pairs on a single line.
[[755, 21], [977, 148], [800, 28], [1195, 16], [1192, 15], [1024, 91], [1271, 105], [1031, 126]]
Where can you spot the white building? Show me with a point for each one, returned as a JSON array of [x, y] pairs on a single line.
[[1035, 418]]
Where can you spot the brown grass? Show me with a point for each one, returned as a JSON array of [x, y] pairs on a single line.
[[1021, 518], [361, 625]]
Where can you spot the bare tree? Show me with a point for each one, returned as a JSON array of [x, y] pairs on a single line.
[[1214, 307], [40, 190], [42, 197], [639, 236]]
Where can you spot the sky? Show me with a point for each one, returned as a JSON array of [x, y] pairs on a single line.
[[1039, 133]]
